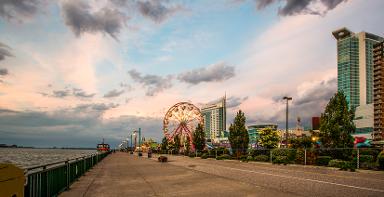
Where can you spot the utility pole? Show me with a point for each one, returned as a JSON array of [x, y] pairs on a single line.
[[286, 121]]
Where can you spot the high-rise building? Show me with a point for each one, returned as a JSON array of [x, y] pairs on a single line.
[[355, 74], [215, 120], [378, 93], [355, 65]]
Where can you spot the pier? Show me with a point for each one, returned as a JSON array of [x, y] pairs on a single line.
[[122, 174]]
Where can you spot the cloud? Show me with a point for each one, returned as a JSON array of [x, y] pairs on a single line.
[[78, 126], [234, 101], [157, 10], [80, 18], [309, 100], [153, 83], [295, 7], [20, 10], [212, 73], [3, 72], [66, 92], [113, 93], [4, 51]]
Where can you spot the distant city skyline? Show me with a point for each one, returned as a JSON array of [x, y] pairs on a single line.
[[74, 71]]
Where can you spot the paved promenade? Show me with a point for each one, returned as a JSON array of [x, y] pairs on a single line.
[[122, 174]]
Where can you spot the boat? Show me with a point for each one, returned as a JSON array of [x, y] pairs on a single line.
[[103, 147]]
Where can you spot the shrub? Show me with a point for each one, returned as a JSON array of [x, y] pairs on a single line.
[[380, 160], [257, 152], [368, 165], [199, 154], [348, 166], [243, 158], [192, 155], [373, 152], [300, 156], [223, 157], [280, 160], [162, 159], [366, 158], [337, 163], [261, 158], [204, 156], [289, 153], [323, 160], [250, 158]]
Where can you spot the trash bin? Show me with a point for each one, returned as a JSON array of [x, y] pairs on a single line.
[[11, 180]]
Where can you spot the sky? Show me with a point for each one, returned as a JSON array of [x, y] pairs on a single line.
[[75, 71]]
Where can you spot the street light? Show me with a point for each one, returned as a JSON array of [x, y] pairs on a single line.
[[286, 120]]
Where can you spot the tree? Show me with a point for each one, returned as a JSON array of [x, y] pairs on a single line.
[[164, 144], [268, 138], [176, 139], [199, 138], [187, 145], [336, 123], [238, 134], [303, 142]]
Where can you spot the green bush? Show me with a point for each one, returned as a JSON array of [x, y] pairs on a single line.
[[250, 158], [261, 158], [323, 160], [337, 163], [223, 157], [289, 153], [257, 152], [348, 166], [199, 154], [368, 165], [380, 160], [373, 152], [243, 158], [204, 156], [192, 155], [300, 156], [280, 160], [366, 158]]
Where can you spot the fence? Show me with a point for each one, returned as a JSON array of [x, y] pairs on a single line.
[[52, 179], [365, 158]]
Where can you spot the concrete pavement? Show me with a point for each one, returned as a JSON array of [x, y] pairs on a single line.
[[122, 174]]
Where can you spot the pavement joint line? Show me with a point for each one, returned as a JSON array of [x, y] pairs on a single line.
[[306, 179]]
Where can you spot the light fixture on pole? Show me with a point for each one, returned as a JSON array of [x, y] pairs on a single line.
[[286, 120]]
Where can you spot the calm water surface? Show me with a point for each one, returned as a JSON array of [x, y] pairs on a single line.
[[32, 157]]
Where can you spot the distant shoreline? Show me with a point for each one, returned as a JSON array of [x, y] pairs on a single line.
[[31, 147]]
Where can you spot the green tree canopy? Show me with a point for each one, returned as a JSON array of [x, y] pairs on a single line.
[[238, 134], [199, 138], [336, 123], [164, 144], [268, 138], [177, 141]]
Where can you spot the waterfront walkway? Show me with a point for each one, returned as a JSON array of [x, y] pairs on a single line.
[[121, 174]]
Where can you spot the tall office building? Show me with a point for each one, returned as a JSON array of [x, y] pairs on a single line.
[[355, 65], [378, 93], [215, 120], [355, 74]]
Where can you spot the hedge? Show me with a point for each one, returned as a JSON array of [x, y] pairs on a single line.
[[261, 158], [223, 157], [323, 160]]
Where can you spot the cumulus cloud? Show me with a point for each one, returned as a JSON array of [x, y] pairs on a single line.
[[157, 10], [294, 7], [153, 83], [4, 51], [213, 73], [80, 18], [66, 92], [20, 10], [3, 72], [113, 93]]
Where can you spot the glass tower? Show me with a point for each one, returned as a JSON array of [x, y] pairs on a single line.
[[355, 65]]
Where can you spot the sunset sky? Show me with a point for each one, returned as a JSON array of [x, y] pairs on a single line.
[[73, 71]]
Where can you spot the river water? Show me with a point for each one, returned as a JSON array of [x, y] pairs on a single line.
[[31, 157]]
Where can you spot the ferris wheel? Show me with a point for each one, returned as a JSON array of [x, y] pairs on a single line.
[[182, 119]]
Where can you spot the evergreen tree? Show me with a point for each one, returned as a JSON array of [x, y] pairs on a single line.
[[176, 139], [336, 123], [238, 135], [199, 138], [268, 138], [187, 145], [164, 144]]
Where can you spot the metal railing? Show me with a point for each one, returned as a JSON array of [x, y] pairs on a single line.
[[54, 178]]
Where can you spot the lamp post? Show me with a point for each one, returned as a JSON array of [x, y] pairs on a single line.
[[286, 120]]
